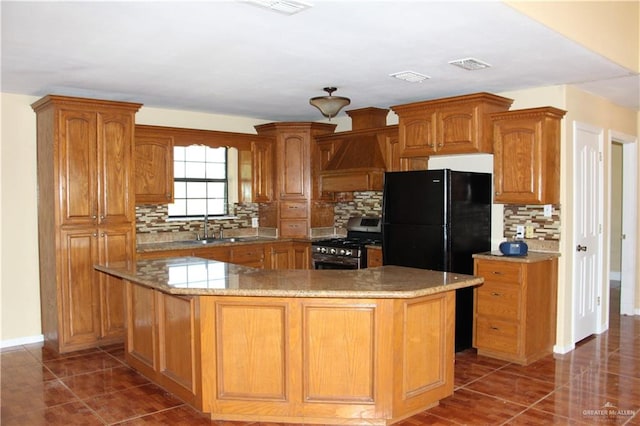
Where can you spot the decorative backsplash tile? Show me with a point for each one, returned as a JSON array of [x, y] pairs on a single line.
[[544, 228], [152, 218], [366, 203]]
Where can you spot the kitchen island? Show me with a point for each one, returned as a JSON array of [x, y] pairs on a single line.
[[369, 346]]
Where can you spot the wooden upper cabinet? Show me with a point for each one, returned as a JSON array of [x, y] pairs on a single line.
[[153, 167], [262, 171], [456, 125], [94, 160], [293, 152], [527, 156]]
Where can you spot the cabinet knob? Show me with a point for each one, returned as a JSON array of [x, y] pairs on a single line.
[[168, 196], [497, 192], [95, 234], [440, 145]]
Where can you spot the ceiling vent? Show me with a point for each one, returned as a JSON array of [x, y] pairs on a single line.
[[410, 76], [470, 64], [287, 7]]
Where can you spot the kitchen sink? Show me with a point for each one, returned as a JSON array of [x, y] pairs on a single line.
[[212, 241]]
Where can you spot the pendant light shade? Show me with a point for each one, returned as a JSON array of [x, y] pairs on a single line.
[[329, 106]]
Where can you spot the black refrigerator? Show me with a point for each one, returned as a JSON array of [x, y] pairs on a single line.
[[437, 219]]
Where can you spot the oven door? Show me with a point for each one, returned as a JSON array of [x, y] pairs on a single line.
[[321, 261]]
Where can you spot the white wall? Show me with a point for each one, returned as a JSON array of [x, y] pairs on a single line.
[[19, 283]]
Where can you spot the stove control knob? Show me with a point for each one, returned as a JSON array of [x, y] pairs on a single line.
[[348, 252], [342, 252], [332, 251], [323, 249]]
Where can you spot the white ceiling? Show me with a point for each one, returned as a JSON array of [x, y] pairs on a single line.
[[231, 57]]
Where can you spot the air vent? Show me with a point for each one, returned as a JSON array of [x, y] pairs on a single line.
[[470, 64], [410, 76], [287, 7]]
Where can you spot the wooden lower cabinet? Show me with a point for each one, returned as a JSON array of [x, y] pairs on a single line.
[[163, 339], [91, 303], [311, 360], [515, 309], [374, 257], [276, 255]]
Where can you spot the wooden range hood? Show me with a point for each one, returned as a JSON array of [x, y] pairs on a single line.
[[355, 160]]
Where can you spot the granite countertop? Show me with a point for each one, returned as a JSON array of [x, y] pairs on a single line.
[[196, 276], [530, 257], [192, 244]]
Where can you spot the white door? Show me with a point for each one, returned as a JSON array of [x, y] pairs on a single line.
[[587, 228], [629, 223]]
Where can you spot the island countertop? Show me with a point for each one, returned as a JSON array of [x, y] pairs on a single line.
[[197, 276]]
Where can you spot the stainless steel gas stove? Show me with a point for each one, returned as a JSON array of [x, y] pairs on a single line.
[[349, 252]]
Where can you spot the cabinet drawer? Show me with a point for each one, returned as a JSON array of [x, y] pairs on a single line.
[[248, 254], [293, 210], [495, 335], [498, 271], [293, 228], [499, 300]]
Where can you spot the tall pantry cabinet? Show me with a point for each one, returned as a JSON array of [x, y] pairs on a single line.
[[86, 215]]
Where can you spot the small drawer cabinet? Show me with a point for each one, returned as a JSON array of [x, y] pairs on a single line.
[[515, 308]]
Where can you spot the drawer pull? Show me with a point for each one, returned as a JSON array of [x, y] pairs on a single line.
[[497, 273], [496, 294], [495, 328]]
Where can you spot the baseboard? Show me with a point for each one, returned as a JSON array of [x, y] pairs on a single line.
[[563, 349], [21, 341], [614, 275]]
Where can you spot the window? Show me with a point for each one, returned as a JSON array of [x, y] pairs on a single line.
[[200, 181]]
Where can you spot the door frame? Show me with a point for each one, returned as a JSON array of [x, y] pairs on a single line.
[[600, 326], [628, 270]]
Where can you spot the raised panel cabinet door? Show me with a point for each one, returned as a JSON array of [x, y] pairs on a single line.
[[301, 253], [77, 165], [116, 245], [281, 256], [293, 163], [516, 162], [141, 345], [177, 354], [417, 133], [263, 176], [80, 296], [153, 169], [115, 158], [458, 130]]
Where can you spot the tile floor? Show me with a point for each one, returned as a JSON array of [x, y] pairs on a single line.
[[95, 387]]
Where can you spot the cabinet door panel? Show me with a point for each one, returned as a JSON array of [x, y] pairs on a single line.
[[116, 246], [80, 294], [141, 336], [417, 135], [77, 168], [176, 340], [517, 158], [115, 133], [293, 159], [457, 130], [262, 172], [153, 169]]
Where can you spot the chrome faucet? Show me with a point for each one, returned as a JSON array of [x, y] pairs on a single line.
[[205, 235]]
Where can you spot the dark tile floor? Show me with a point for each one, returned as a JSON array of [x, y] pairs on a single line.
[[95, 387]]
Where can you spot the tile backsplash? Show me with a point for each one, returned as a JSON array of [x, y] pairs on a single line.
[[152, 218], [365, 203]]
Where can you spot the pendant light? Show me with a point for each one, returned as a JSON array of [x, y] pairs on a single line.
[[329, 106]]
